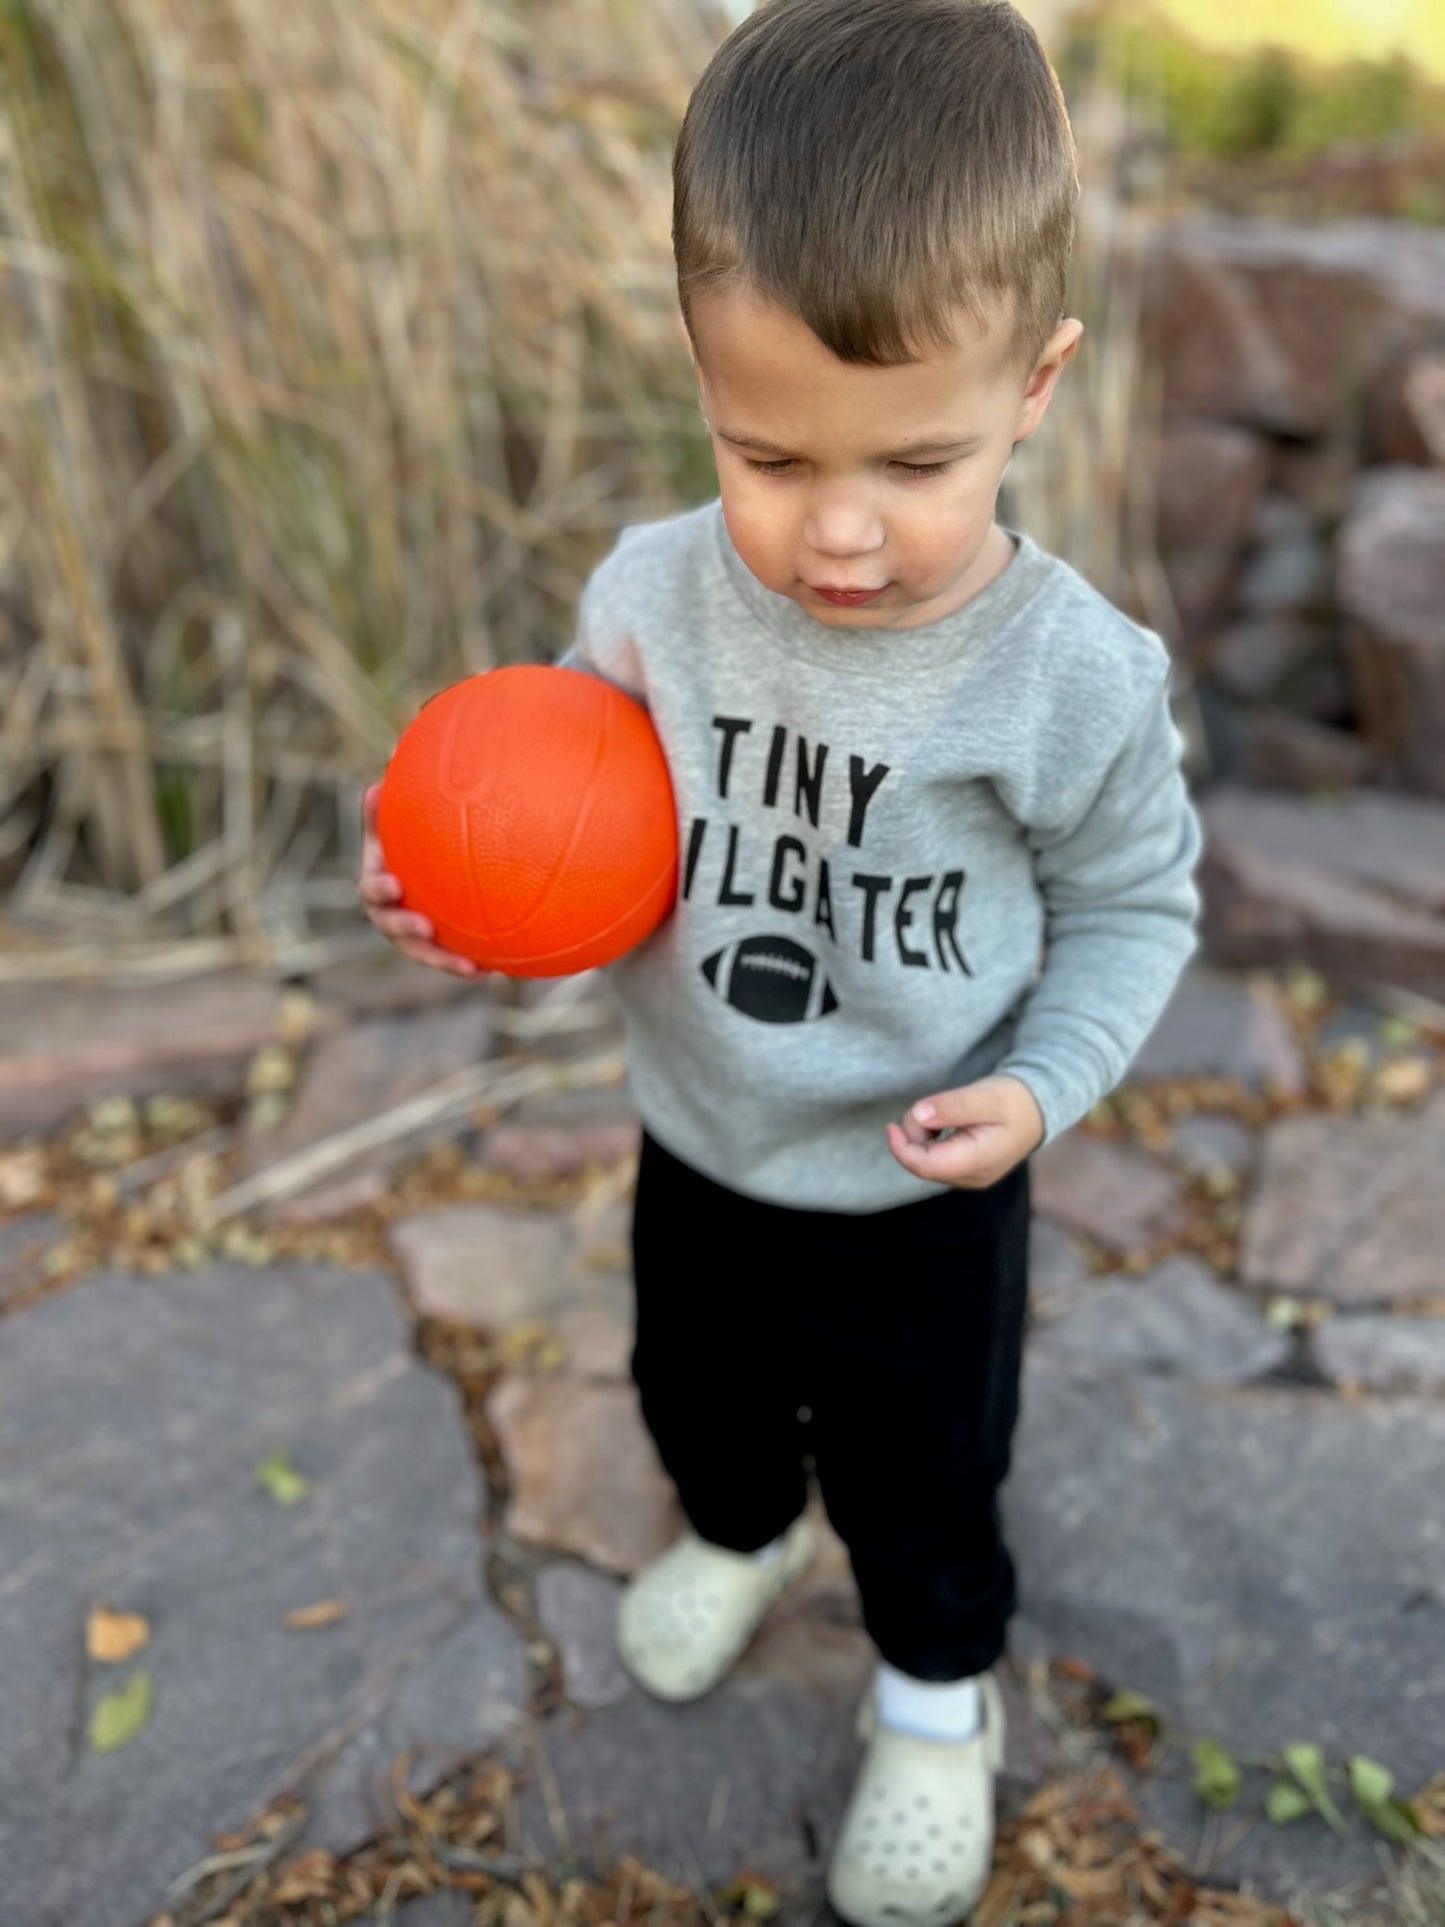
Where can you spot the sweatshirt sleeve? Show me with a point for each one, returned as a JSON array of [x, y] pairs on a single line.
[[1121, 908]]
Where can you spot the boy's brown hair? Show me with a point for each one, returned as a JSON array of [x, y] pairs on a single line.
[[870, 165]]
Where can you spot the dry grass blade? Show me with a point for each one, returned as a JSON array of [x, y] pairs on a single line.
[[499, 1085]]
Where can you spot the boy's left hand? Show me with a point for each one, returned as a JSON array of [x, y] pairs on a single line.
[[997, 1122]]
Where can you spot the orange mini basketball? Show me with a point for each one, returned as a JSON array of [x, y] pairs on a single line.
[[528, 812]]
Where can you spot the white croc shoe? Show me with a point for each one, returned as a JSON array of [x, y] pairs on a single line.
[[915, 1844], [688, 1615]]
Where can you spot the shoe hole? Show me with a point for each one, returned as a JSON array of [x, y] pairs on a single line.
[[921, 1801]]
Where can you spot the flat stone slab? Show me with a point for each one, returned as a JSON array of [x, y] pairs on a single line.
[[378, 980], [1111, 1192], [1350, 1208], [556, 1136], [1382, 1353], [358, 1072], [1207, 1142], [64, 1045], [585, 1474], [1177, 1319], [756, 1774], [1267, 1564], [1217, 1026], [578, 1607], [495, 1265], [1355, 886], [133, 1415]]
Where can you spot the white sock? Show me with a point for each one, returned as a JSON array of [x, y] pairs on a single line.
[[933, 1709]]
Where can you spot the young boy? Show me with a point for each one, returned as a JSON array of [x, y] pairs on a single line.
[[936, 888]]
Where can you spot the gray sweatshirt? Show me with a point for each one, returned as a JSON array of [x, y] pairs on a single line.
[[908, 858]]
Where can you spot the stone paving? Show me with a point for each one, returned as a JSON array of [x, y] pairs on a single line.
[[1224, 1491]]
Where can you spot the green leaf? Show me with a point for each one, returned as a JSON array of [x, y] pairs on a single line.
[[1128, 1705], [1285, 1802], [117, 1717], [1307, 1764], [1370, 1782], [1216, 1777], [1396, 1821], [281, 1479], [1397, 1033]]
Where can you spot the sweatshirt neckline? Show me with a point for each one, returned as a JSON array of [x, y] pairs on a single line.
[[891, 652]]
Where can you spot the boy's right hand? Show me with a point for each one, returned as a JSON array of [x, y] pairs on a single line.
[[380, 894]]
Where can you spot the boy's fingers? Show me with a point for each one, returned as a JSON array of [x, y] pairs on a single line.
[[430, 953], [399, 924], [952, 1161]]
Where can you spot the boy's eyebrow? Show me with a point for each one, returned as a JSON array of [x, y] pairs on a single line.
[[965, 443]]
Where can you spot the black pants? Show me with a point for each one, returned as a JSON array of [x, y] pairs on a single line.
[[885, 1345]]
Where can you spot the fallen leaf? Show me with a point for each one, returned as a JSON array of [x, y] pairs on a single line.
[[1307, 1764], [1128, 1705], [117, 1717], [113, 1636], [325, 1612], [281, 1479], [1403, 1079], [1216, 1776]]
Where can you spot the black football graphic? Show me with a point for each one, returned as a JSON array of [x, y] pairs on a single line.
[[770, 978]]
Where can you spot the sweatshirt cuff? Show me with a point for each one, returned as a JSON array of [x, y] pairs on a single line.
[[1062, 1102]]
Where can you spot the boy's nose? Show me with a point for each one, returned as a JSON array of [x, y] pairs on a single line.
[[840, 530]]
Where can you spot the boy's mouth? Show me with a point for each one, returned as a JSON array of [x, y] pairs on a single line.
[[846, 596]]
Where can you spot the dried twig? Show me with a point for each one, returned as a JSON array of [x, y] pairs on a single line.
[[498, 1085]]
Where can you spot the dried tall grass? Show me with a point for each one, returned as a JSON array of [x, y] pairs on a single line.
[[338, 341]]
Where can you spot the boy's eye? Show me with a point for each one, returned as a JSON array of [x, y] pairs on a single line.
[[909, 468]]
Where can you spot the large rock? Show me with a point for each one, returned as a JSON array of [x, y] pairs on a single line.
[[378, 980], [1391, 589], [1216, 1026], [1286, 752], [1405, 411], [133, 1414], [1354, 886], [1114, 1193], [359, 1072], [1351, 1208], [1382, 1353], [1273, 325], [497, 1266], [1266, 1563], [1177, 1319], [584, 1472], [64, 1045], [557, 1136], [1211, 477]]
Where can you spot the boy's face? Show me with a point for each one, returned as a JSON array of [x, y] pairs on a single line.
[[844, 498]]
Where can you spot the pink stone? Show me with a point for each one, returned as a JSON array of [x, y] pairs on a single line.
[[584, 1472]]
